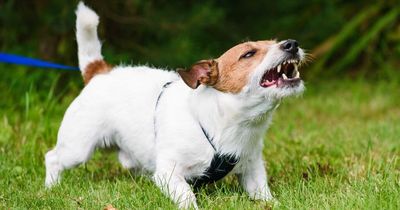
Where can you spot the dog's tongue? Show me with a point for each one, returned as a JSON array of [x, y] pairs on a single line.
[[268, 83]]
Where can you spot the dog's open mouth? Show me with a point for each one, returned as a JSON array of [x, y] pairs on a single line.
[[284, 74]]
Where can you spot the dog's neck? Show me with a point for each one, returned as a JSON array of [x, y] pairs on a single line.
[[236, 122]]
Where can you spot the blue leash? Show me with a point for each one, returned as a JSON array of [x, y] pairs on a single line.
[[15, 59]]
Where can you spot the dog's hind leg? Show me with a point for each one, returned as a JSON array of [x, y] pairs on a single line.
[[126, 161], [66, 155], [79, 134], [53, 168]]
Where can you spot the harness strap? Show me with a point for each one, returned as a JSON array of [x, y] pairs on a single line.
[[221, 164], [155, 109], [208, 137]]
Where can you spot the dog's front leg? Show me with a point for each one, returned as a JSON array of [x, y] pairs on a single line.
[[253, 178], [173, 184]]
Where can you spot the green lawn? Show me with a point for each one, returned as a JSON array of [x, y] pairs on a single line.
[[336, 147]]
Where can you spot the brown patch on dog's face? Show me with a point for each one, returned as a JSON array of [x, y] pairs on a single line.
[[94, 68], [231, 71], [236, 65]]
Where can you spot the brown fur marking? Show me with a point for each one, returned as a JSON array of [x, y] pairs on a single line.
[[230, 72], [234, 72], [94, 68], [203, 72]]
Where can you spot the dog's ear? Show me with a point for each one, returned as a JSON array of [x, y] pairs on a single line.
[[203, 72]]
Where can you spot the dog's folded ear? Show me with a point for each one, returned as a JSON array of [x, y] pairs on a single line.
[[203, 72]]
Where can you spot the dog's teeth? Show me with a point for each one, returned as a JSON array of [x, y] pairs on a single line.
[[296, 73], [284, 76], [279, 68]]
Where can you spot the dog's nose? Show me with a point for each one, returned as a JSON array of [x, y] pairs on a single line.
[[290, 46]]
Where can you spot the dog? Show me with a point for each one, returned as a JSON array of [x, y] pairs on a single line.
[[188, 127]]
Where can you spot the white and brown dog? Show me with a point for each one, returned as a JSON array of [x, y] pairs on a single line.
[[186, 128]]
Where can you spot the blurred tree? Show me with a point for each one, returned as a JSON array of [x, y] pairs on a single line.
[[345, 35]]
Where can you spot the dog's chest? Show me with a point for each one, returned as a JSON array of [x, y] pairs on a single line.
[[238, 145], [179, 121]]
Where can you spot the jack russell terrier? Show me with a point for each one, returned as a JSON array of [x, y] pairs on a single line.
[[187, 128]]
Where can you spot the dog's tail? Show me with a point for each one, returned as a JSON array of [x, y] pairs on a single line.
[[91, 61]]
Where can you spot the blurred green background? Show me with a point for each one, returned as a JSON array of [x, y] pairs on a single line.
[[346, 37], [335, 148]]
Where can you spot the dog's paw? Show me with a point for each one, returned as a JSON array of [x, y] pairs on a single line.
[[261, 195]]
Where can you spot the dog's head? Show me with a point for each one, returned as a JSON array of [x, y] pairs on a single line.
[[265, 68]]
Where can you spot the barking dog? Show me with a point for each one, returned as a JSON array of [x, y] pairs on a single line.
[[186, 128]]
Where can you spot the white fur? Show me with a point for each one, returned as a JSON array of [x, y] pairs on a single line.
[[89, 46], [119, 108]]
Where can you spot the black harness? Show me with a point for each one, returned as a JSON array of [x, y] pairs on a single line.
[[221, 164]]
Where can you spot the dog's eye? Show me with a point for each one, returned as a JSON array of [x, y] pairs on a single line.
[[248, 54]]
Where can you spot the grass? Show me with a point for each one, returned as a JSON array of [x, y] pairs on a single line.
[[337, 147]]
